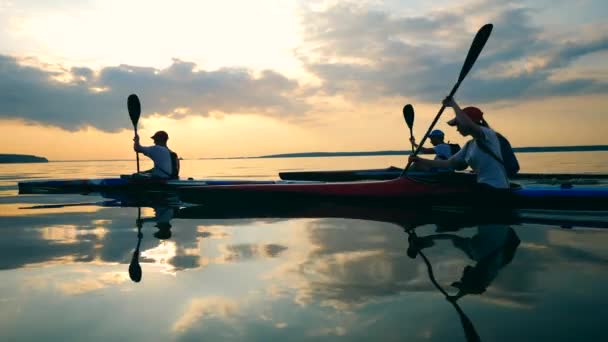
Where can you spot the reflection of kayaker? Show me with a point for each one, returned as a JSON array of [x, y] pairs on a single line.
[[493, 247], [162, 218]]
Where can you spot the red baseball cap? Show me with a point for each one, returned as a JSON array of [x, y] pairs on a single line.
[[474, 113], [160, 135]]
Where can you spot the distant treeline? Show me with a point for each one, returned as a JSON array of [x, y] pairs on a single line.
[[21, 158], [588, 148]]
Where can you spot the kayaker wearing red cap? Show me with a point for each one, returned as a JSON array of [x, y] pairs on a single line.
[[166, 163], [469, 121]]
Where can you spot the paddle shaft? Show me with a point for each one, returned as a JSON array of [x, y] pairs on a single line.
[[136, 153], [411, 136], [426, 135], [478, 43]]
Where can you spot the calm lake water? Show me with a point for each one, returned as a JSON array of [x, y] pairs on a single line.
[[66, 272]]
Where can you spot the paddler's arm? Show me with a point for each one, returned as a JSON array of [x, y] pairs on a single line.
[[424, 150], [428, 164], [136, 146], [463, 118], [455, 162]]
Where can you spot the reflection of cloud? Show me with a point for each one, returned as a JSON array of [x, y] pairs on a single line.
[[232, 253], [70, 233], [161, 256], [337, 331], [75, 281], [213, 232], [200, 309], [92, 283]]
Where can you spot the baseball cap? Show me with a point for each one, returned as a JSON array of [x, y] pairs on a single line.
[[436, 133], [474, 113], [161, 135]]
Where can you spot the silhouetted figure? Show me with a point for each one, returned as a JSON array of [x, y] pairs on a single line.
[[166, 162], [483, 153]]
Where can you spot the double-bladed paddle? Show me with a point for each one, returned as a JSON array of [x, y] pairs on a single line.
[[478, 43], [408, 115], [134, 112]]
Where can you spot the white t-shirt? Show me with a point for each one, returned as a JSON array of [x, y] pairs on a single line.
[[162, 160], [488, 170], [442, 152]]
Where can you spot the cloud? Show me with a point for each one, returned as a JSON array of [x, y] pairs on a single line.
[[359, 52], [80, 97], [200, 309], [366, 53]]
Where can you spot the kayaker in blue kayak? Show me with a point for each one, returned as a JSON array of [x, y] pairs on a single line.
[[166, 162], [441, 149], [483, 153]]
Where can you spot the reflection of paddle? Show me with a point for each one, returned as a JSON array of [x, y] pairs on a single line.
[[134, 112], [478, 43], [408, 115], [134, 267], [469, 329]]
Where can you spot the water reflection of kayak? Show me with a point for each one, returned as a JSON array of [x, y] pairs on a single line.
[[448, 217]]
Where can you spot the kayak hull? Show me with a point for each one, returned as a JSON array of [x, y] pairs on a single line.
[[84, 186], [394, 172], [404, 191]]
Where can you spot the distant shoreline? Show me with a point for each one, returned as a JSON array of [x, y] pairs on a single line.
[[21, 158], [584, 148]]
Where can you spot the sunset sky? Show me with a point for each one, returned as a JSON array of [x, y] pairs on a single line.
[[244, 78]]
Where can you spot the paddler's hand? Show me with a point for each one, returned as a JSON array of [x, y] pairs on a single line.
[[449, 102], [136, 139], [414, 159], [413, 141]]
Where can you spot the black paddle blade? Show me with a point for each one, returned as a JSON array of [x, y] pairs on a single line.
[[135, 268], [134, 108], [478, 43], [408, 115]]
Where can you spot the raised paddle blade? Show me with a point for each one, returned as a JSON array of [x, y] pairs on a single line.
[[134, 108], [478, 43], [408, 115]]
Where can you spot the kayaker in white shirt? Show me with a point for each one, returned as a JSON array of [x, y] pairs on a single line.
[[159, 153], [470, 122], [440, 149]]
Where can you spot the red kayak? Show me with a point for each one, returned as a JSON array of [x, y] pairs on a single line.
[[408, 191]]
